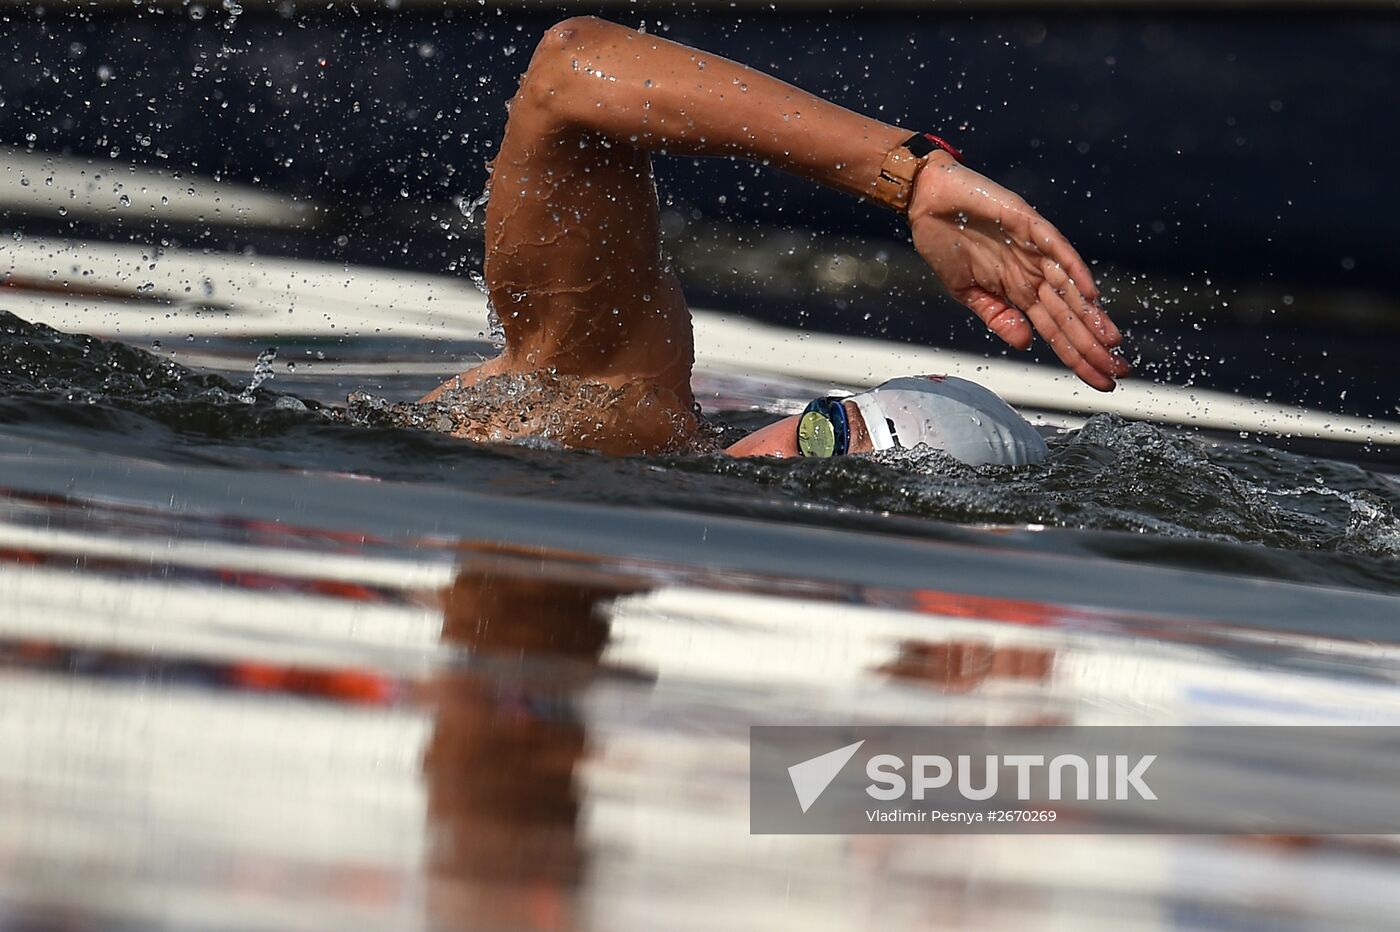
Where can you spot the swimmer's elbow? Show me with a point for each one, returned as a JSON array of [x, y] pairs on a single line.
[[551, 87], [578, 30]]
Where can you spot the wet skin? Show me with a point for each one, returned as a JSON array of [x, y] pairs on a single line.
[[573, 258], [780, 437]]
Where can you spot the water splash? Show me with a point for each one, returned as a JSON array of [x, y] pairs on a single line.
[[1115, 475], [496, 333], [469, 206], [555, 409], [495, 330], [262, 373]]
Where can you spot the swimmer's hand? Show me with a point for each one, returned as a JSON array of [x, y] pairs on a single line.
[[1012, 268]]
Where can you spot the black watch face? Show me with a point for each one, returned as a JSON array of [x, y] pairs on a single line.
[[920, 145]]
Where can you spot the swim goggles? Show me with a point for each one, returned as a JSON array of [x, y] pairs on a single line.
[[823, 429]]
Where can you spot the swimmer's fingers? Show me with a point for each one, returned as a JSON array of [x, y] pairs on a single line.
[[1093, 316], [1064, 348], [1031, 227], [1061, 327], [1072, 328], [1001, 318]]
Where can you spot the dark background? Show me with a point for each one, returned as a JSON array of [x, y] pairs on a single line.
[[1231, 173]]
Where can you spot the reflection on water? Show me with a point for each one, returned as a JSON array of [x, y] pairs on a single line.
[[499, 768], [263, 669], [274, 725]]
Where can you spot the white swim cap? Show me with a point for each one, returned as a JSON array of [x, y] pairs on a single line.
[[968, 422]]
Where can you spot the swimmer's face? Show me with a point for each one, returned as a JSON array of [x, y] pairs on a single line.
[[780, 438]]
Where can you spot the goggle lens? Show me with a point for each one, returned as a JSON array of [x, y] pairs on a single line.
[[823, 430], [815, 435]]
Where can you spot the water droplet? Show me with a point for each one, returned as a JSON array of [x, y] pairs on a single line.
[[470, 207], [262, 371]]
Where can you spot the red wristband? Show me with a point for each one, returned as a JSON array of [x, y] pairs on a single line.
[[921, 144]]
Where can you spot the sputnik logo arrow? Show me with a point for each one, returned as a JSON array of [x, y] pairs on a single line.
[[811, 777]]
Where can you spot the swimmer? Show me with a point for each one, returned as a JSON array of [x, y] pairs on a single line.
[[598, 339]]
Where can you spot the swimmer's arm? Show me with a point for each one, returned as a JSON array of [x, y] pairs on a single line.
[[665, 97], [991, 250], [777, 439]]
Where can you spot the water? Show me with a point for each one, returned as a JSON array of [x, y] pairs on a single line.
[[271, 668], [1135, 491]]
